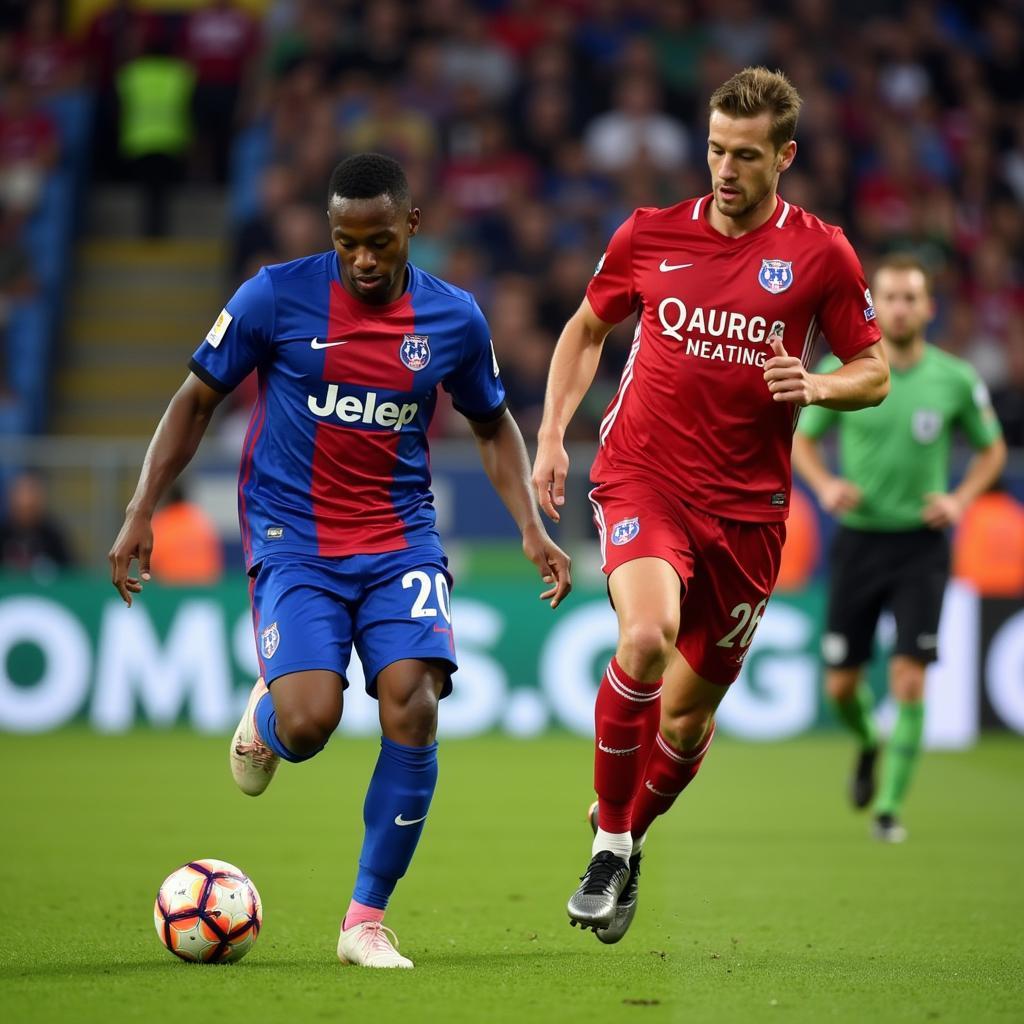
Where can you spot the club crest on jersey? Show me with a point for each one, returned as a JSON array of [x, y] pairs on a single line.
[[415, 351], [270, 640], [925, 425], [776, 275], [625, 530]]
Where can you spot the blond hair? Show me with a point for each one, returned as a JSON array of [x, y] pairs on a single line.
[[754, 91]]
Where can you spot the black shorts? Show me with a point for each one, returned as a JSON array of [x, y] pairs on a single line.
[[904, 572]]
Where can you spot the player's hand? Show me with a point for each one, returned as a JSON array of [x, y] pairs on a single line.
[[942, 510], [135, 541], [838, 496], [550, 469], [552, 562], [787, 378]]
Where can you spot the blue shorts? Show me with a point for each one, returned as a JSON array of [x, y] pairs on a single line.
[[308, 612]]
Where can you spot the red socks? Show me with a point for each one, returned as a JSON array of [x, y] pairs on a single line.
[[625, 721], [667, 774]]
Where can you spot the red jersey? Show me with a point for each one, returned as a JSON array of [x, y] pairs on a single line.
[[693, 413]]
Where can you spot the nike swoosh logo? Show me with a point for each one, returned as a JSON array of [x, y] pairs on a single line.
[[318, 344], [613, 750], [399, 820], [666, 266]]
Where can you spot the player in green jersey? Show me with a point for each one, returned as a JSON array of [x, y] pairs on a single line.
[[894, 505]]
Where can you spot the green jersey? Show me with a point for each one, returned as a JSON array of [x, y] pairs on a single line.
[[898, 452]]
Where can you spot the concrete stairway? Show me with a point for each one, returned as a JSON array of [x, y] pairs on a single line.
[[137, 311]]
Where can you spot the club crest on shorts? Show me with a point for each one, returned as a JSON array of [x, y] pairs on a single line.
[[776, 275], [625, 530], [270, 640], [415, 351], [925, 425]]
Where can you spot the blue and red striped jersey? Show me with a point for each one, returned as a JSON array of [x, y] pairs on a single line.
[[335, 460]]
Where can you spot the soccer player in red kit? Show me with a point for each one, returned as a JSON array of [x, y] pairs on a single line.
[[692, 477]]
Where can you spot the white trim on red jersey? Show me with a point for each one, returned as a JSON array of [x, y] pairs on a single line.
[[602, 530], [783, 215], [624, 382], [696, 207], [810, 341]]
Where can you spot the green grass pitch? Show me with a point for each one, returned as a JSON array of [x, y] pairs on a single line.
[[762, 898]]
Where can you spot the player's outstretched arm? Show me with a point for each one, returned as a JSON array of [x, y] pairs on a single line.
[[174, 442], [572, 372], [858, 383], [504, 457]]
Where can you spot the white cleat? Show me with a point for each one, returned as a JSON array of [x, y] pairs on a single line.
[[370, 944], [253, 763]]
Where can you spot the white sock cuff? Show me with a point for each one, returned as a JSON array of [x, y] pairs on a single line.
[[619, 843]]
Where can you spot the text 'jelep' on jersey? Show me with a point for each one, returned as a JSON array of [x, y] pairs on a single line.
[[335, 460], [693, 413]]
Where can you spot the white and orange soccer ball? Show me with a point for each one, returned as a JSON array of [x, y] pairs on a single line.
[[208, 911]]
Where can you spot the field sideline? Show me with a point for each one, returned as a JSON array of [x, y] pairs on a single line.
[[762, 896]]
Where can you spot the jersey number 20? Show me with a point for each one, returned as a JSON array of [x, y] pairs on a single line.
[[420, 610]]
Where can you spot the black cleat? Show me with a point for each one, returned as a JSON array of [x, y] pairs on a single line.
[[593, 904], [862, 785]]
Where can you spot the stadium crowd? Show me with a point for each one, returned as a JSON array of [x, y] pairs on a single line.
[[530, 128]]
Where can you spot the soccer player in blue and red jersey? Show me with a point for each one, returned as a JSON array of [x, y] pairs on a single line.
[[335, 507]]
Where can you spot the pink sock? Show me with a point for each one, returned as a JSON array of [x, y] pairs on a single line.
[[358, 913]]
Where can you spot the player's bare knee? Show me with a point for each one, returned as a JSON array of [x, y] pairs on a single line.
[[906, 679], [687, 730], [645, 647], [304, 732], [410, 715], [841, 683]]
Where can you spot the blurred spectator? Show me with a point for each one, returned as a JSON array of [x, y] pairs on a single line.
[[187, 550], [111, 40], [28, 147], [31, 541], [493, 176], [1008, 393], [48, 60], [155, 92], [988, 547], [17, 281], [220, 41], [635, 130], [468, 55], [388, 127]]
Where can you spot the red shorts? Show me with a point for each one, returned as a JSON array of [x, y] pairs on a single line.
[[727, 567]]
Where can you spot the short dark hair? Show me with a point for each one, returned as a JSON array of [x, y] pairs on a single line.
[[757, 90], [368, 175]]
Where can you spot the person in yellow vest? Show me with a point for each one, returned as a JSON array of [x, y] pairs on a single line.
[[155, 95]]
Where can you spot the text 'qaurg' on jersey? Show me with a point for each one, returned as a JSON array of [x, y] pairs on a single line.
[[693, 411]]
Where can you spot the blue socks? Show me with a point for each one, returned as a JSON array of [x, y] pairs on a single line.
[[266, 725], [396, 806]]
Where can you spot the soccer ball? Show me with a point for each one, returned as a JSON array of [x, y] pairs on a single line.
[[208, 911]]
